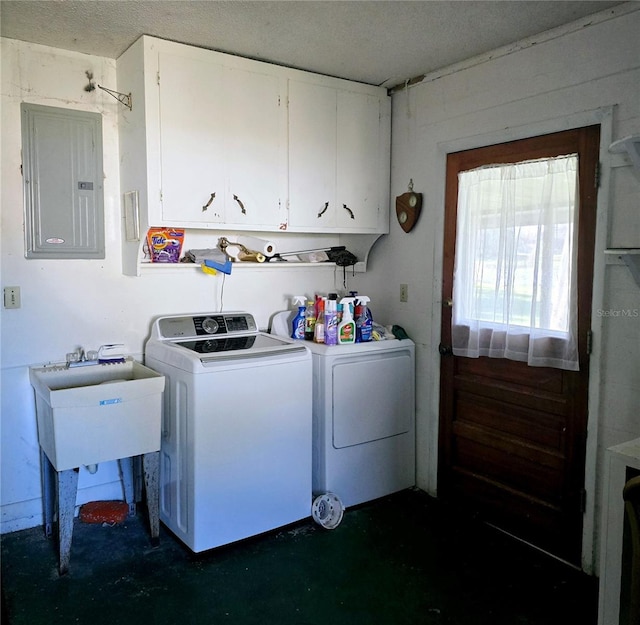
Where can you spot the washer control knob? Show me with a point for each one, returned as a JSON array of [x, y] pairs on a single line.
[[209, 325]]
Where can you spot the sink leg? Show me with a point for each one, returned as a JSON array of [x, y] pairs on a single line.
[[138, 478], [151, 464], [126, 472], [67, 489], [48, 492]]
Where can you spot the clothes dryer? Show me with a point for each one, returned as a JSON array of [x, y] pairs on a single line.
[[363, 417]]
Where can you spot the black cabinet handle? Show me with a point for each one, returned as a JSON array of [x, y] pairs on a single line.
[[237, 199], [206, 206]]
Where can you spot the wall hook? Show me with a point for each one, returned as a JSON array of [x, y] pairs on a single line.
[[92, 85], [123, 98]]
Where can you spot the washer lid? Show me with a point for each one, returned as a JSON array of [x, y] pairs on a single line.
[[194, 342], [259, 342], [207, 352]]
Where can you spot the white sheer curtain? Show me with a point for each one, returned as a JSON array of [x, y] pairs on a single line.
[[515, 277]]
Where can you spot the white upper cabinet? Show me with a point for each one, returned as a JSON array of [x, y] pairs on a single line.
[[338, 158], [313, 146], [255, 148], [221, 143], [362, 189], [218, 141], [193, 176]]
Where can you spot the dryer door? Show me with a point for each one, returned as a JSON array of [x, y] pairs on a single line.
[[373, 397]]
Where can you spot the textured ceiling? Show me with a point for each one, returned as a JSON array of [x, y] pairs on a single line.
[[377, 42]]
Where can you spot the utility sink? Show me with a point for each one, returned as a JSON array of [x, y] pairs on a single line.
[[97, 413]]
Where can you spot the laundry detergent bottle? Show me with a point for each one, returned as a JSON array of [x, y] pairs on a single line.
[[297, 325], [347, 327], [310, 320]]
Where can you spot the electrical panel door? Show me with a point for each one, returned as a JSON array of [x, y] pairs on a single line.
[[63, 186]]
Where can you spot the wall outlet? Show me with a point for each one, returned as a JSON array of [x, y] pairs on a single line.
[[12, 297], [404, 292]]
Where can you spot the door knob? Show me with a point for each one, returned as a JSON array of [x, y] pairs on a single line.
[[445, 350]]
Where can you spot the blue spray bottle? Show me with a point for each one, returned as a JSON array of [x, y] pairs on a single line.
[[364, 320], [297, 325]]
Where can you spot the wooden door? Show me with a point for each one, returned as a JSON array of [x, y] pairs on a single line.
[[512, 437]]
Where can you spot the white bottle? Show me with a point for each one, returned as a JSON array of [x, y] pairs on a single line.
[[347, 327]]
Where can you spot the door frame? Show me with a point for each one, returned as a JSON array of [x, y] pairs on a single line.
[[427, 473]]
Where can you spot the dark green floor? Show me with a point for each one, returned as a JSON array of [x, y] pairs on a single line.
[[400, 560]]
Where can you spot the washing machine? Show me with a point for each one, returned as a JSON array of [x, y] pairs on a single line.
[[236, 452], [363, 417]]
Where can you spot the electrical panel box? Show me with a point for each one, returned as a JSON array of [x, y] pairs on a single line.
[[63, 182]]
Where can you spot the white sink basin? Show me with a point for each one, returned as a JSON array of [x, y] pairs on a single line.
[[97, 413]]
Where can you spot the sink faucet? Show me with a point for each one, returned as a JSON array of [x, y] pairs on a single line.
[[77, 358]]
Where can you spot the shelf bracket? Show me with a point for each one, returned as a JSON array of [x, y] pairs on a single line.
[[630, 257], [633, 262], [123, 98], [630, 145]]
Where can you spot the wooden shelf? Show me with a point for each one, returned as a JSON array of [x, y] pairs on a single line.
[[145, 267], [622, 250]]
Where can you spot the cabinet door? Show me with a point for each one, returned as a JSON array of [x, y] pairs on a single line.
[[253, 151], [335, 157], [358, 161], [192, 146], [312, 156]]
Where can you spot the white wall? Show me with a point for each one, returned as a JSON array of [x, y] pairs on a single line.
[[574, 76], [70, 303]]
